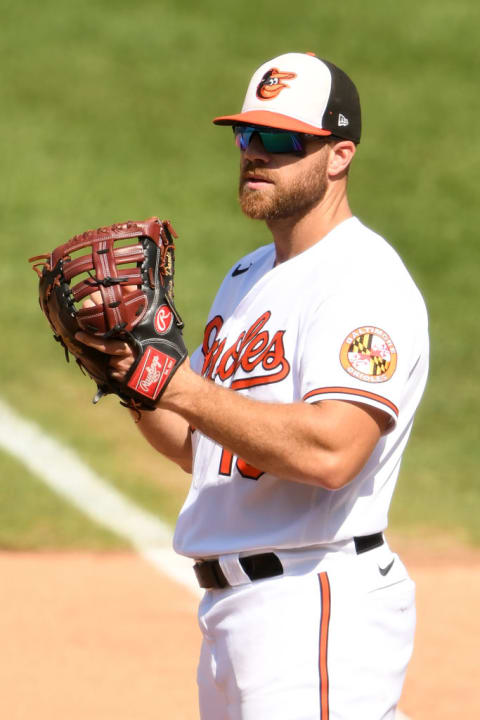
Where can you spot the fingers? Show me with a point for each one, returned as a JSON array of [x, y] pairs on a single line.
[[119, 367], [121, 354], [95, 298], [110, 347], [88, 303]]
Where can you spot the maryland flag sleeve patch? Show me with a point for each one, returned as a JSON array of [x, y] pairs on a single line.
[[368, 354]]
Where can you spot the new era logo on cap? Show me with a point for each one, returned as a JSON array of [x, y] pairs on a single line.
[[300, 92]]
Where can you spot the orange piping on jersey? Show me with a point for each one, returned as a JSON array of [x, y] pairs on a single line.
[[349, 391], [323, 654]]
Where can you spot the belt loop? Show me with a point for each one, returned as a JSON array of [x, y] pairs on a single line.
[[232, 569]]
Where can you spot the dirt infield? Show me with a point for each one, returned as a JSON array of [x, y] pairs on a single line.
[[97, 637], [108, 637], [443, 678]]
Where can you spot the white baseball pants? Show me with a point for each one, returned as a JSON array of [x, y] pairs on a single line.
[[328, 640]]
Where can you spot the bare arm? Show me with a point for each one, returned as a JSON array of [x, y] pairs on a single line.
[[169, 434], [166, 430], [326, 444]]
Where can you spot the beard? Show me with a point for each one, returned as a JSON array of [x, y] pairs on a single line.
[[283, 200]]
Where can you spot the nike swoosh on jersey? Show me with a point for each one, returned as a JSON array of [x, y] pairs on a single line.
[[384, 571], [239, 270]]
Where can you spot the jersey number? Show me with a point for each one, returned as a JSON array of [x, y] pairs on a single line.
[[246, 470]]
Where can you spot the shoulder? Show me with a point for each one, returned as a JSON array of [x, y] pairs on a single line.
[[372, 249], [365, 244], [372, 258], [359, 274]]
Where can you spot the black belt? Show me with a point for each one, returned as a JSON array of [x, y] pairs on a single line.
[[265, 565]]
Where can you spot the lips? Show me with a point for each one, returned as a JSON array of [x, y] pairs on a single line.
[[253, 179]]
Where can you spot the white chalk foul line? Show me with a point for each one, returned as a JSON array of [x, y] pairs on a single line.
[[63, 471]]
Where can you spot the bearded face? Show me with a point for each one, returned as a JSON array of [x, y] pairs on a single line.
[[271, 194]]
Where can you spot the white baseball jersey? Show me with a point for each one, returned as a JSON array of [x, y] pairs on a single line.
[[343, 320]]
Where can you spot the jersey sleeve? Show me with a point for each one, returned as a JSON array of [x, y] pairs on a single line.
[[359, 347]]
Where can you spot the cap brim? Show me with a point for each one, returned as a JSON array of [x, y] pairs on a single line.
[[270, 119]]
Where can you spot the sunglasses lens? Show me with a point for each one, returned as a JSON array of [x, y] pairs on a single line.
[[243, 136], [273, 141], [281, 142]]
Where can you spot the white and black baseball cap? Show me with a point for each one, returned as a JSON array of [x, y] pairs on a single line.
[[302, 93]]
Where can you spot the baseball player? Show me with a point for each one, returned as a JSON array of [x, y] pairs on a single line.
[[293, 417]]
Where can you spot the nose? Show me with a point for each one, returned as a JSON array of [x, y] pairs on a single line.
[[255, 150]]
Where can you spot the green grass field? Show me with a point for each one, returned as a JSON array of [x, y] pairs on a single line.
[[106, 116]]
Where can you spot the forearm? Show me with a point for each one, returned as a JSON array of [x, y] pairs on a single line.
[[296, 441], [167, 432]]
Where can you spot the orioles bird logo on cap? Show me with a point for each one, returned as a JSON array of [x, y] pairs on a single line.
[[272, 83]]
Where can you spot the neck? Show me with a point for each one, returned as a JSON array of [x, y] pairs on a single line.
[[295, 234]]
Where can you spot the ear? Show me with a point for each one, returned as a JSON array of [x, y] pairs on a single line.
[[341, 155]]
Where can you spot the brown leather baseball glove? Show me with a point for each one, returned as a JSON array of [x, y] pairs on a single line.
[[131, 265]]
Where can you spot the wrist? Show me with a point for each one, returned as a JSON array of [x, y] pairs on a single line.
[[179, 389]]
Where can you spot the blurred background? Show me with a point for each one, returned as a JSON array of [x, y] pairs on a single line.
[[106, 116]]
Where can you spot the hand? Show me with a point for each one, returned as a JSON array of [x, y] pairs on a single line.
[[122, 355], [127, 338]]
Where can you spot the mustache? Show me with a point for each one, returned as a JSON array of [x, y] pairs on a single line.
[[250, 171]]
